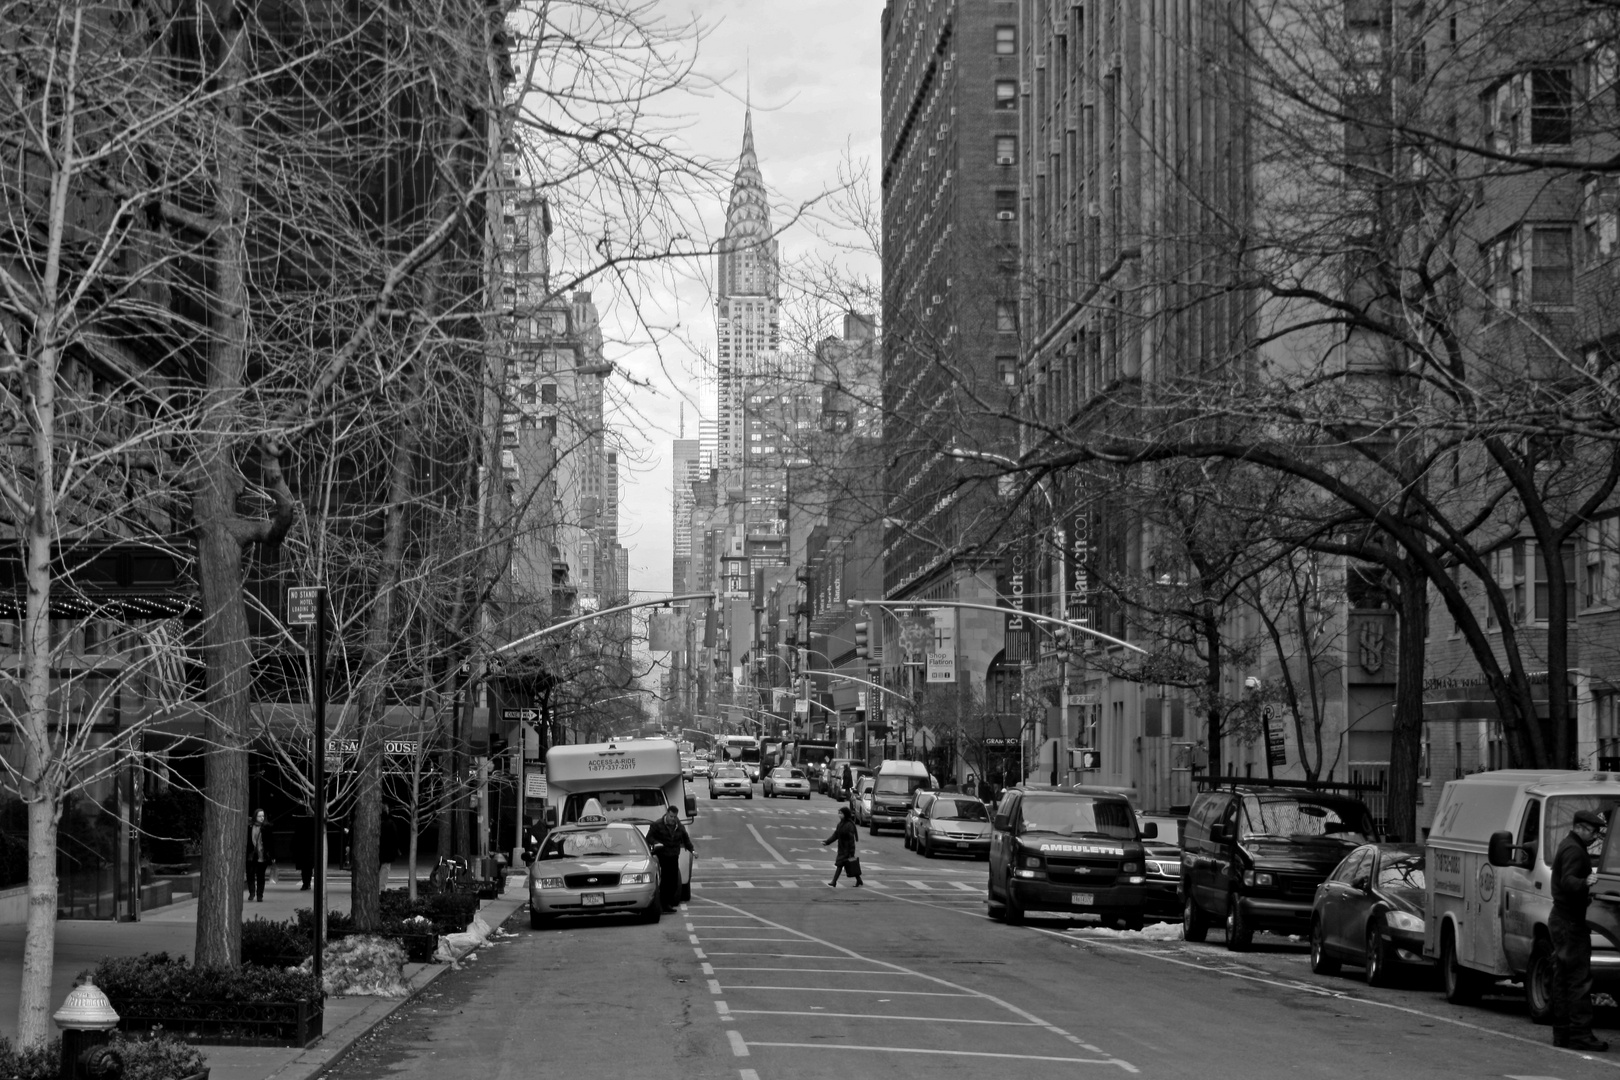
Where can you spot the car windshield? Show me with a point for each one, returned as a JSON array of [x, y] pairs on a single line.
[[1402, 873], [729, 771], [1285, 817], [899, 785], [958, 810], [593, 844], [1079, 817], [634, 804]]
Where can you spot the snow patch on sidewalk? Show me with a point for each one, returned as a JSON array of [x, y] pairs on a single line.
[[1170, 931]]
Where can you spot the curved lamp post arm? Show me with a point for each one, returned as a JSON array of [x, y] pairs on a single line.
[[576, 620], [1081, 627]]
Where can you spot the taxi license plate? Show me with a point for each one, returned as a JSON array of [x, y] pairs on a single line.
[[591, 899], [961, 843], [1082, 899]]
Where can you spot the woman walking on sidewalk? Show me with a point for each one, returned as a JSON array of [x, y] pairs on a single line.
[[846, 859]]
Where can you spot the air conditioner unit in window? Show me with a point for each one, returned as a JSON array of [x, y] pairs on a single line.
[[1004, 159], [1005, 215]]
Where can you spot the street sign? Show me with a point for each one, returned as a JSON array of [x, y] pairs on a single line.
[[941, 667], [534, 784], [520, 716], [303, 603], [1276, 737]]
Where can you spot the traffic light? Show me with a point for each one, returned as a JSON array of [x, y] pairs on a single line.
[[862, 649]]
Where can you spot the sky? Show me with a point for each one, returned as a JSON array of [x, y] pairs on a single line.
[[810, 70]]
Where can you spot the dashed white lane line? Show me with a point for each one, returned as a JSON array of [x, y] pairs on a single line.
[[963, 886], [897, 968], [807, 971], [738, 1047], [745, 884], [1127, 1066], [708, 969], [752, 939], [883, 1016], [747, 1074], [724, 1011], [772, 852], [714, 986], [693, 938]]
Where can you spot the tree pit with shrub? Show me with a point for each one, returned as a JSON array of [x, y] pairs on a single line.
[[249, 1005]]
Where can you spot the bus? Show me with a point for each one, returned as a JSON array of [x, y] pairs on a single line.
[[812, 755], [743, 750]]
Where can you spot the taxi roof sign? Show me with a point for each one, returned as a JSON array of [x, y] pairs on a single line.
[[592, 813]]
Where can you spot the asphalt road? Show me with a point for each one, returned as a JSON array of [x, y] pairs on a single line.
[[767, 974]]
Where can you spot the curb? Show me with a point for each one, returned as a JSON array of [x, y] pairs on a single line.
[[334, 1044]]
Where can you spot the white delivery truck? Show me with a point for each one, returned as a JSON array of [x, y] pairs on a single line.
[[1489, 881], [633, 780]]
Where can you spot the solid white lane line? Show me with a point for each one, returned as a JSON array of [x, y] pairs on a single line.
[[777, 855], [847, 990], [738, 1047], [1127, 1066], [786, 956], [807, 971], [882, 1016]]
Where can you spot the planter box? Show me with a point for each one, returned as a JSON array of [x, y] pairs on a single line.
[[226, 1023]]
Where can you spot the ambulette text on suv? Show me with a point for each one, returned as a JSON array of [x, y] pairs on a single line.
[[1252, 857], [1076, 852]]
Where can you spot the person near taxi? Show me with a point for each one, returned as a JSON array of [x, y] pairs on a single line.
[[844, 836], [1571, 990], [666, 837], [533, 834]]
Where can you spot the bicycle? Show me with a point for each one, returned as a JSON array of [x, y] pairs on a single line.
[[451, 872]]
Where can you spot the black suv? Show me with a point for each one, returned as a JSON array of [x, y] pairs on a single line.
[[1073, 851], [1252, 858]]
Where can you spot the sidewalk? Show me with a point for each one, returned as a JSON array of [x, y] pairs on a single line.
[[172, 929]]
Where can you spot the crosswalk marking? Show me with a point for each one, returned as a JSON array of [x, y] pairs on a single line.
[[924, 886], [964, 886]]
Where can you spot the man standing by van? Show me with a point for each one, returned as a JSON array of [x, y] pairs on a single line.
[[1571, 990], [667, 836]]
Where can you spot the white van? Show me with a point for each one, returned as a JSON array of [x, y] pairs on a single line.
[[891, 793], [1489, 882], [633, 780]]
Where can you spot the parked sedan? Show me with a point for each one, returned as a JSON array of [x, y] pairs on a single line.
[[860, 799], [1162, 868], [786, 780], [919, 807], [1370, 911], [955, 825], [730, 780], [594, 867]]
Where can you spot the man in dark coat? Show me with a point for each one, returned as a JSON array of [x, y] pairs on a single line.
[[1571, 990], [844, 836], [259, 855], [666, 837]]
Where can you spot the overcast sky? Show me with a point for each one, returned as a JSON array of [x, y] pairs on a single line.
[[811, 69]]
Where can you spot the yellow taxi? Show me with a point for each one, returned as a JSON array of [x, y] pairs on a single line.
[[593, 867]]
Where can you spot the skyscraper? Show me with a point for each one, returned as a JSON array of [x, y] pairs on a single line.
[[747, 326]]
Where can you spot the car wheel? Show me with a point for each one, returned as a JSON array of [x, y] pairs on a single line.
[[1015, 913], [1461, 985], [1538, 982], [1321, 962], [750, 795], [928, 848], [1379, 963], [871, 830], [910, 846], [654, 912], [1239, 934], [1194, 923]]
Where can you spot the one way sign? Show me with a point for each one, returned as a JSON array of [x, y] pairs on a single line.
[[520, 716]]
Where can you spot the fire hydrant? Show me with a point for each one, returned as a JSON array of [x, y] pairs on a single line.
[[85, 1018]]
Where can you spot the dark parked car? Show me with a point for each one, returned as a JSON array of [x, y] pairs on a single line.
[[1252, 857], [1073, 852], [1163, 869], [1370, 911]]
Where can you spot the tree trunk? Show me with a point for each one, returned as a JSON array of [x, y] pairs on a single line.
[[220, 542], [1212, 687], [1406, 740]]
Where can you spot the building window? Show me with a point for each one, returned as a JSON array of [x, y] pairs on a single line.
[[1600, 542], [1006, 94], [1507, 568], [1503, 268], [1006, 40], [1543, 594], [1006, 204], [1608, 730], [1552, 266], [1600, 221], [1006, 317], [1532, 108], [526, 394], [548, 394], [1007, 370], [1006, 149]]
